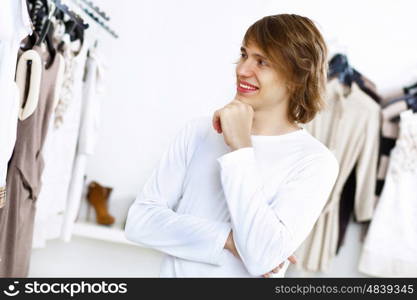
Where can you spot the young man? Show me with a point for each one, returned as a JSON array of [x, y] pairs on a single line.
[[237, 201]]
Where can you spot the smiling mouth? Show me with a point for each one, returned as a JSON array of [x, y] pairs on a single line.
[[245, 87]]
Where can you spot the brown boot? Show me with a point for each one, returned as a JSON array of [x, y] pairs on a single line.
[[98, 196]]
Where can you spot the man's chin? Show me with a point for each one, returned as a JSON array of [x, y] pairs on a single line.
[[245, 100]]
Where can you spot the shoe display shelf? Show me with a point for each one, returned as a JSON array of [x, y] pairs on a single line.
[[113, 233], [87, 227]]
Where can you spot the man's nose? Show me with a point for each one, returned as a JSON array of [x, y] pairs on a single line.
[[245, 69]]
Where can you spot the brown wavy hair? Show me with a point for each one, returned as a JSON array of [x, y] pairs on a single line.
[[296, 49]]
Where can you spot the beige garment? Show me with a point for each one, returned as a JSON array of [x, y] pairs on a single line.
[[24, 179], [349, 126]]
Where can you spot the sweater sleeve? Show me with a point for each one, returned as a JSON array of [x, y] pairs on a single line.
[[267, 231], [152, 221], [366, 171]]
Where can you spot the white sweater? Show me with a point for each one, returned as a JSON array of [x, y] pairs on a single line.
[[270, 195]]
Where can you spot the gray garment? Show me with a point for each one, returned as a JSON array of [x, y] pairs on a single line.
[[23, 180]]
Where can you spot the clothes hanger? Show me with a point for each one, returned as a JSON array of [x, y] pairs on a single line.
[[91, 15], [76, 18], [74, 31], [38, 12], [74, 27], [412, 103], [29, 95], [394, 107], [409, 88], [29, 103], [47, 32], [408, 99], [41, 15], [96, 9], [359, 79], [339, 66]]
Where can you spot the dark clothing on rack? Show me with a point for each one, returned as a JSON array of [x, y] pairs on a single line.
[[387, 144], [347, 203], [367, 86]]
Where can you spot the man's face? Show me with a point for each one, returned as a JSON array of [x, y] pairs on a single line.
[[258, 83]]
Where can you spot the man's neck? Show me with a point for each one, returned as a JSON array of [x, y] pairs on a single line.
[[267, 122]]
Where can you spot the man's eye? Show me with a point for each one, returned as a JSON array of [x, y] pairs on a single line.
[[262, 62], [243, 55]]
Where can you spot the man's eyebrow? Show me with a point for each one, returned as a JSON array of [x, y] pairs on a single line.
[[243, 49]]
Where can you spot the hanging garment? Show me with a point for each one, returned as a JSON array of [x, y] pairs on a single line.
[[59, 152], [14, 26], [390, 248], [88, 135], [389, 134], [347, 197], [346, 207], [74, 53], [349, 127], [8, 127], [369, 88], [24, 179]]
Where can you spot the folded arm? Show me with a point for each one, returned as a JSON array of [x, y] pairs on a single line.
[[267, 231], [152, 221]]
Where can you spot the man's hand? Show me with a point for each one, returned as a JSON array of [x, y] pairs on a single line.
[[292, 259], [230, 245], [235, 122]]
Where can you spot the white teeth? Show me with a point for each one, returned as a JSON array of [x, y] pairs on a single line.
[[247, 87]]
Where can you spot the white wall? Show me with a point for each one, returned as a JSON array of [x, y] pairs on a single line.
[[174, 61], [377, 36]]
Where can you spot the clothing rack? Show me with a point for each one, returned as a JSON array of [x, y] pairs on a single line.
[[65, 9], [339, 66], [410, 100], [92, 16], [42, 13], [96, 9], [55, 6], [407, 89]]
